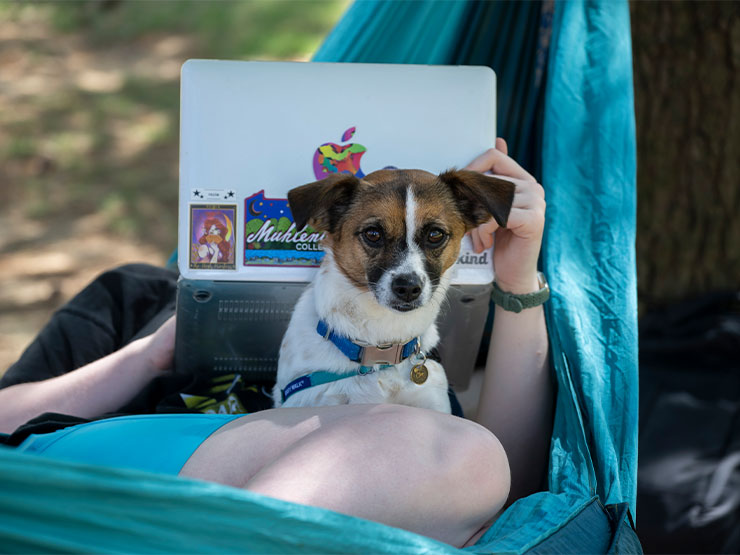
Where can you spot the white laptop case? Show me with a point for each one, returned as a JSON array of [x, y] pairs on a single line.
[[251, 131]]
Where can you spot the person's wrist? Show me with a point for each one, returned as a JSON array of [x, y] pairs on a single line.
[[519, 285], [517, 302], [138, 353]]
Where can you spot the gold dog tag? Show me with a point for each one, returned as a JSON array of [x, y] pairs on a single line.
[[419, 374]]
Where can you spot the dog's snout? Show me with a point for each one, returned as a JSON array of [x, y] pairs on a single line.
[[407, 287]]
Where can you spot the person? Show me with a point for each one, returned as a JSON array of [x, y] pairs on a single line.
[[431, 473]]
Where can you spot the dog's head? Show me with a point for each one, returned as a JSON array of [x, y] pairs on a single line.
[[396, 232]]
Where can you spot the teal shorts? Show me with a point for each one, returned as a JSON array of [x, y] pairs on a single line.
[[160, 443]]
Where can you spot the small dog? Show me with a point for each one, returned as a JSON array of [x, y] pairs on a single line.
[[360, 332]]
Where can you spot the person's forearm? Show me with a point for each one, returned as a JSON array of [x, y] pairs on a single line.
[[516, 397], [90, 391]]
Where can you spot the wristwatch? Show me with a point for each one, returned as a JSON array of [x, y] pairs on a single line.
[[517, 303]]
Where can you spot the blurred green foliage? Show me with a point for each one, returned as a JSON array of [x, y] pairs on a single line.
[[265, 29]]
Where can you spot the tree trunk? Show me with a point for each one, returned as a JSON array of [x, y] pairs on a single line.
[[686, 60]]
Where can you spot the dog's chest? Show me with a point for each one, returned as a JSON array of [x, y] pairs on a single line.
[[305, 351], [302, 355]]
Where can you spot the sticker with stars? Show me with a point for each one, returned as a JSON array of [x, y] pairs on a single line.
[[212, 195]]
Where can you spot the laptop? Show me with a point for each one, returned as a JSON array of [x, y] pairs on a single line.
[[250, 132]]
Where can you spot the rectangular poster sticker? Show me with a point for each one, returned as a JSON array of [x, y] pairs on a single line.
[[212, 238]]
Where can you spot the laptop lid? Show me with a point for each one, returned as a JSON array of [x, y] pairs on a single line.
[[251, 131]]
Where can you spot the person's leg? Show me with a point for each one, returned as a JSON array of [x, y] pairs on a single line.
[[424, 471]]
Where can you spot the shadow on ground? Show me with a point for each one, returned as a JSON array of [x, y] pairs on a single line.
[[89, 133]]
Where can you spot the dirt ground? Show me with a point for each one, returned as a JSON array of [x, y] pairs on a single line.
[[45, 260], [89, 152]]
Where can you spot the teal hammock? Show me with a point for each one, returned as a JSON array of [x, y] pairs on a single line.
[[566, 107]]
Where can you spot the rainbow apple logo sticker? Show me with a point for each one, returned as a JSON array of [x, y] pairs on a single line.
[[332, 158]]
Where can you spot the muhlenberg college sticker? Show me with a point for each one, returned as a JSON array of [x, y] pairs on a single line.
[[271, 237]]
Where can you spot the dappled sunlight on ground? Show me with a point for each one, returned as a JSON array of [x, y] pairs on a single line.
[[42, 274], [89, 117]]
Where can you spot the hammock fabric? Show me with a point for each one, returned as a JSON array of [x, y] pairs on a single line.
[[566, 107]]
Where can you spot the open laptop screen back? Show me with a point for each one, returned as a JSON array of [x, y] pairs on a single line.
[[251, 131]]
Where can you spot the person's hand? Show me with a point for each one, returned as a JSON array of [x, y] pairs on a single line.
[[518, 244], [158, 348]]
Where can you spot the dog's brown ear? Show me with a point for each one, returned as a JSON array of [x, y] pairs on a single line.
[[322, 203], [480, 196]]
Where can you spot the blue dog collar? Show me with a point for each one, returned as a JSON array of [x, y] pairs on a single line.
[[369, 355], [371, 358]]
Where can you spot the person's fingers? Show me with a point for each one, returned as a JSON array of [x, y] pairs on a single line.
[[526, 223], [486, 240], [528, 199], [475, 238], [495, 161], [482, 236], [526, 218], [484, 162], [488, 228]]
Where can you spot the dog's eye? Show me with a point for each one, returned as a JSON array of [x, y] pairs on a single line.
[[372, 235], [435, 236]]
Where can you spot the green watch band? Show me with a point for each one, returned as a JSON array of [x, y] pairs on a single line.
[[517, 303]]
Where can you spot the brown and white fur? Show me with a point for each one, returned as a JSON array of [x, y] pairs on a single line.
[[391, 241]]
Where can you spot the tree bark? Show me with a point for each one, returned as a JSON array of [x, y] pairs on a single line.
[[686, 59]]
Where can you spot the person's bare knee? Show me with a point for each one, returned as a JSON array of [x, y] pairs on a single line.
[[421, 470], [482, 476], [464, 463], [238, 450]]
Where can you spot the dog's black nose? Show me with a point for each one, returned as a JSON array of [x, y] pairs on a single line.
[[407, 287]]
